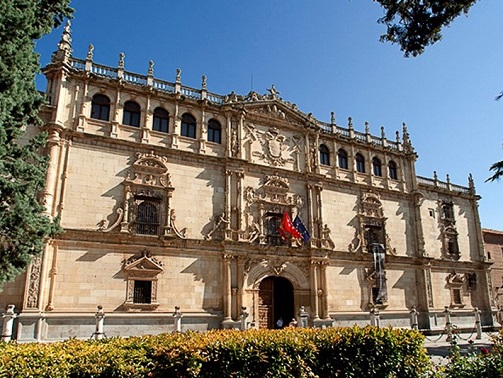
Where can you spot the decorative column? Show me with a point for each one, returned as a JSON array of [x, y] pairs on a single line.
[[240, 268], [53, 144], [240, 133], [314, 289], [227, 290], [53, 272], [323, 287], [147, 126], [203, 131], [228, 200], [240, 200]]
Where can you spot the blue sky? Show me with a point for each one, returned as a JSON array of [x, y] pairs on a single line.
[[323, 56]]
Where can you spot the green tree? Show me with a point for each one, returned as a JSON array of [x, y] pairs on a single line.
[[23, 226], [416, 24]]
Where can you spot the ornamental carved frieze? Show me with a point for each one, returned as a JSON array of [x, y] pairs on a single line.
[[275, 148], [271, 199], [370, 225]]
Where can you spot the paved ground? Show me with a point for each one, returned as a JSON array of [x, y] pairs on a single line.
[[439, 348]]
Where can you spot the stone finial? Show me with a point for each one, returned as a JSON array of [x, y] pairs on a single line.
[[350, 123], [64, 46], [383, 134], [203, 82], [435, 177], [367, 128], [471, 184], [332, 118], [90, 50], [121, 60], [448, 178], [178, 75], [406, 138], [273, 92], [151, 68], [66, 37]]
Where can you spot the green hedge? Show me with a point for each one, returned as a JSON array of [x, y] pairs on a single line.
[[332, 352]]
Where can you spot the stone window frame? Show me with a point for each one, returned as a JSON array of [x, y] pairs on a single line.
[[456, 284], [100, 108], [214, 131], [324, 155], [132, 114], [392, 170], [376, 166], [342, 158], [144, 268], [188, 127], [160, 120], [359, 163]]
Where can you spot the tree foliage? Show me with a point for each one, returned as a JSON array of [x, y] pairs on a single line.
[[416, 24], [23, 226]]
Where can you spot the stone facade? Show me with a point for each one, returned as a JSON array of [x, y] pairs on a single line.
[[493, 244], [171, 196]]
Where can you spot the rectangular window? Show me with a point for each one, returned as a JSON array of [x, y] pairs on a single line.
[[142, 292], [456, 296]]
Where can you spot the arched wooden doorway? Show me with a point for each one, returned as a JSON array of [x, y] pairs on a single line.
[[275, 302]]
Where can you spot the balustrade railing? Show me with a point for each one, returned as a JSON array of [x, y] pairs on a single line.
[[104, 71], [163, 86], [191, 92], [442, 185], [135, 79]]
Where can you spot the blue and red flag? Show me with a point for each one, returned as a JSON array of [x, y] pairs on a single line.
[[299, 226], [286, 227]]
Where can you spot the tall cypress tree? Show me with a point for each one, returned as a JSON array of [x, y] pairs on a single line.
[[23, 226]]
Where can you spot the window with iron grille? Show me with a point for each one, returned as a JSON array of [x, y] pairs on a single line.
[[142, 292], [147, 217], [273, 222]]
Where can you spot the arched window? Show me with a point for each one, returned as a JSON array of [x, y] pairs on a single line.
[[147, 218], [376, 166], [132, 113], [214, 131], [360, 163], [161, 120], [393, 173], [188, 125], [324, 155], [100, 108], [342, 155]]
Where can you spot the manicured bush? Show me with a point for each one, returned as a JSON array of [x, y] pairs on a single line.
[[289, 353]]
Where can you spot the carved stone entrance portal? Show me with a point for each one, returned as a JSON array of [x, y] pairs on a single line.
[[275, 302]]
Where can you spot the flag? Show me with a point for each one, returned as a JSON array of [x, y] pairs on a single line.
[[286, 226], [299, 226]]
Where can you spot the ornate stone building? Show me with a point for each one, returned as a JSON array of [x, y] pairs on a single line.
[[174, 196], [493, 244]]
